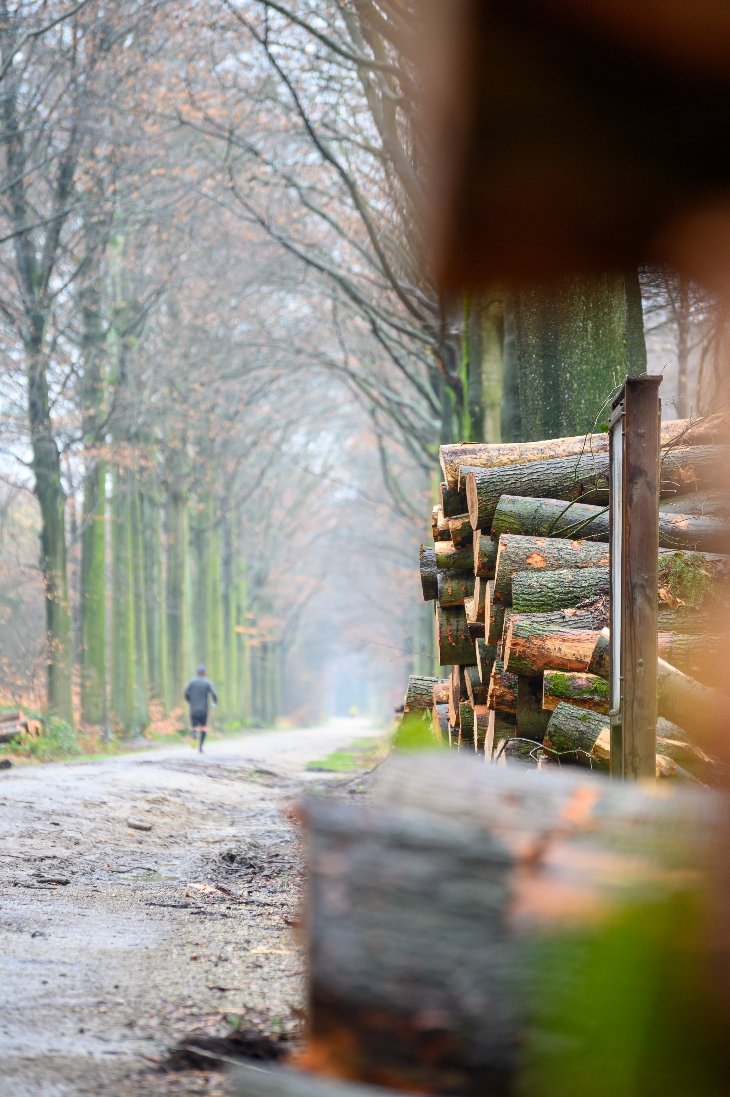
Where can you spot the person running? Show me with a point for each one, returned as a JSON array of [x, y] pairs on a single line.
[[199, 689]]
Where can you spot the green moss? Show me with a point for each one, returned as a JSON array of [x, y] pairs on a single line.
[[564, 685], [686, 577]]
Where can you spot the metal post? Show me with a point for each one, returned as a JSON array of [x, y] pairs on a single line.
[[634, 537]]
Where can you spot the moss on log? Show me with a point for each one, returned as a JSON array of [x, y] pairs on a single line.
[[583, 690]]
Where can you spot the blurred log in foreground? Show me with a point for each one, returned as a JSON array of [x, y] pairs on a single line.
[[435, 917]]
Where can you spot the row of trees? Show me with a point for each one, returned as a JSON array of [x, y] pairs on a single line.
[[222, 349]]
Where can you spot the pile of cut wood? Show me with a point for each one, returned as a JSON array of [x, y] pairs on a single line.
[[519, 575], [14, 724]]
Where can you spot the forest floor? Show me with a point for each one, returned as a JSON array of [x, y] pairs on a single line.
[[149, 901]]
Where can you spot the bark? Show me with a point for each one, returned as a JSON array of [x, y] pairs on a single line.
[[154, 598], [502, 694], [502, 726], [540, 554], [583, 479], [493, 616], [543, 591], [429, 576], [177, 590], [582, 690], [123, 629], [579, 732], [93, 597], [453, 502], [485, 555], [454, 641], [562, 640], [454, 587], [532, 720], [600, 663], [556, 518], [483, 731], [486, 654], [575, 341], [449, 558], [476, 691], [420, 694], [460, 530], [466, 727], [141, 609], [701, 657], [685, 432], [700, 710], [475, 606], [440, 525], [697, 503]]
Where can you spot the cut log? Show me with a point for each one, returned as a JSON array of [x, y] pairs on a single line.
[[532, 720], [600, 663], [439, 526], [476, 606], [562, 640], [450, 558], [454, 641], [482, 728], [429, 573], [485, 554], [583, 690], [466, 727], [586, 736], [700, 710], [460, 530], [452, 502], [440, 723], [582, 479], [541, 554], [506, 623], [502, 694], [420, 692], [697, 502], [556, 518], [441, 691], [454, 587], [486, 654], [458, 682], [476, 629], [700, 656], [493, 619], [501, 726], [476, 690], [543, 591], [492, 455]]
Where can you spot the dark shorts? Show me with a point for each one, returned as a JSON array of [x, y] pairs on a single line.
[[199, 719]]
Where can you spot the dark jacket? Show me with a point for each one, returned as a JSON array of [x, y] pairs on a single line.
[[197, 693]]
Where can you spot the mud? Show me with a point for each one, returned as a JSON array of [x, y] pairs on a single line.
[[117, 943]]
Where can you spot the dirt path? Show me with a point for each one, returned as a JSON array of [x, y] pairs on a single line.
[[116, 941]]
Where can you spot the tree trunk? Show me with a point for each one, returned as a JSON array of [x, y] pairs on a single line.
[[700, 710], [583, 690], [51, 498], [562, 640], [154, 598], [93, 597], [543, 591], [483, 728], [575, 342], [123, 631], [177, 591], [539, 554]]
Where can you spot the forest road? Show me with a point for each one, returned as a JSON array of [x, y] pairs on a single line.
[[116, 941]]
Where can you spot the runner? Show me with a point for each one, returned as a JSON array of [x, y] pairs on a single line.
[[199, 689]]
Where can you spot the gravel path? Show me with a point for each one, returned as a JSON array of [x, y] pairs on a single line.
[[145, 897]]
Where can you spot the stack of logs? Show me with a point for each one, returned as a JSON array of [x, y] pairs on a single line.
[[519, 574]]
